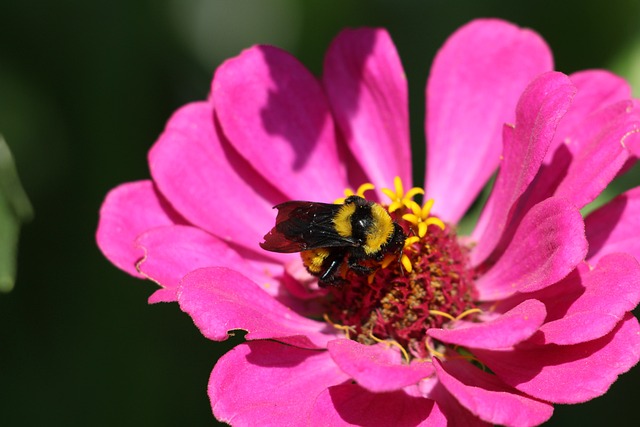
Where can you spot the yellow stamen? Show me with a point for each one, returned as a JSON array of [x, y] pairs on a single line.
[[391, 343], [442, 313], [345, 329], [467, 312], [433, 351], [398, 197]]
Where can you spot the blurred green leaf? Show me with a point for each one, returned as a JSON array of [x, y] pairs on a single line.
[[15, 209]]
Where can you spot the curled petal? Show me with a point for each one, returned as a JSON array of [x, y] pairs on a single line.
[[486, 59], [539, 110], [597, 89], [172, 252], [486, 396], [548, 244], [614, 227], [585, 162], [590, 307], [457, 415], [570, 373], [597, 159], [378, 368], [265, 383], [221, 300], [127, 211], [507, 330]]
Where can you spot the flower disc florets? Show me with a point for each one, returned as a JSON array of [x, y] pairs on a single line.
[[429, 285]]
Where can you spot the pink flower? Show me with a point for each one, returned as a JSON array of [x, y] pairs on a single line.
[[533, 308]]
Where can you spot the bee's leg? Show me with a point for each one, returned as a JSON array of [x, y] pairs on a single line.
[[331, 267], [358, 267]]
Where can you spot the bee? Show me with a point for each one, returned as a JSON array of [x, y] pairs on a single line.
[[335, 238]]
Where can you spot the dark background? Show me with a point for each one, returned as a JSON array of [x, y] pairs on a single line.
[[85, 89]]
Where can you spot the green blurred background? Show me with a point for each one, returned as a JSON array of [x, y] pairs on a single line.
[[85, 89]]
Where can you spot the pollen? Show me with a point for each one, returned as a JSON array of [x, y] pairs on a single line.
[[314, 258]]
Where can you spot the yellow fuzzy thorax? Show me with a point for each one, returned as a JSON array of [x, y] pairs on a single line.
[[342, 221], [381, 230]]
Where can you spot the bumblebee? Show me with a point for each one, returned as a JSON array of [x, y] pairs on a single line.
[[335, 238]]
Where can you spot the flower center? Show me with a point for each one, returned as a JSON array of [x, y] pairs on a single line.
[[431, 285]]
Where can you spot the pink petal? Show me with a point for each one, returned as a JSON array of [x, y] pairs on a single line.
[[367, 89], [172, 252], [614, 227], [592, 307], [163, 295], [276, 116], [547, 245], [474, 85], [539, 110], [264, 383], [209, 183], [127, 211], [597, 89], [221, 300], [456, 414], [598, 153], [351, 405], [586, 161], [507, 330], [486, 396], [377, 368], [568, 374]]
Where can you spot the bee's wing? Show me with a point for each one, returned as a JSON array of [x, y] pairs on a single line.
[[304, 225]]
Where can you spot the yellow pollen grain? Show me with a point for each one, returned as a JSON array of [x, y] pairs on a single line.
[[314, 258]]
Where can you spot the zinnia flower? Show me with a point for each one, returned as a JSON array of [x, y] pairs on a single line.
[[531, 309]]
